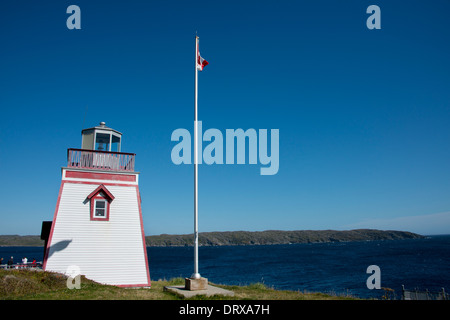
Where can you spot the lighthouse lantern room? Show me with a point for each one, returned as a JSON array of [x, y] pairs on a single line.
[[97, 226], [101, 138]]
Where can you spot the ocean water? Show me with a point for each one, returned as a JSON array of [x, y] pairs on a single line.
[[338, 268]]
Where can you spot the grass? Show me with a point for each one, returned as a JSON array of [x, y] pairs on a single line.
[[40, 285]]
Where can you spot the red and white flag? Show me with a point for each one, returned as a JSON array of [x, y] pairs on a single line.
[[201, 63]]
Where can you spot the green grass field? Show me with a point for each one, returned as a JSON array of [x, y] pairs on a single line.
[[39, 285]]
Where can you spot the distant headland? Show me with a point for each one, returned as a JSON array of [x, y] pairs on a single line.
[[229, 238], [270, 237]]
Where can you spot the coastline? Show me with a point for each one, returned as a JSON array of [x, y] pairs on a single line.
[[234, 238], [274, 237]]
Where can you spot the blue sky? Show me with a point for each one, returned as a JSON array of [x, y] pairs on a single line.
[[363, 114]]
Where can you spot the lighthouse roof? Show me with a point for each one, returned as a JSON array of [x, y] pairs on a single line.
[[101, 126]]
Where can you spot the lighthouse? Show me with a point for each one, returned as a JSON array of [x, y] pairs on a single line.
[[97, 226]]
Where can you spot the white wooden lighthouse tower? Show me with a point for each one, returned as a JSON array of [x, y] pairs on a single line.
[[97, 226]]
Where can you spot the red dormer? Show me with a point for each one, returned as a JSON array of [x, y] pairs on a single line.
[[100, 200]]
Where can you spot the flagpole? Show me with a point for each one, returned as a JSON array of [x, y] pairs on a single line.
[[196, 274]]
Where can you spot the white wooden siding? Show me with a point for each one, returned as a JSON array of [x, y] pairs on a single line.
[[110, 252]]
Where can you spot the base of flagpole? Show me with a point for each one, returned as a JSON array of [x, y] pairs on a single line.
[[195, 284]]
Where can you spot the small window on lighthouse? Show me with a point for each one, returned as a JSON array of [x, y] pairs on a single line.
[[100, 200], [100, 208]]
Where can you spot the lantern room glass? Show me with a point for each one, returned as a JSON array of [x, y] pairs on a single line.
[[107, 142], [115, 143], [102, 141]]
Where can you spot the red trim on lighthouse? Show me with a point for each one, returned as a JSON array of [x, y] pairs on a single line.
[[98, 190], [100, 176], [143, 236], [53, 226], [104, 183]]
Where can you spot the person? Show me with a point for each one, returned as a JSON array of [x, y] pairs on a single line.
[[24, 260], [10, 262], [33, 264]]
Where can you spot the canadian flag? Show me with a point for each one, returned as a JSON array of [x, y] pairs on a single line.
[[201, 63]]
